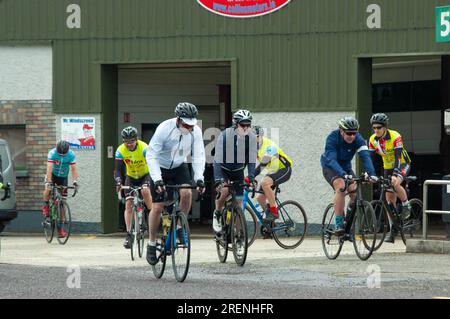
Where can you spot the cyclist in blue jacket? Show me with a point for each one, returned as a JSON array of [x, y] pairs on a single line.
[[340, 148]]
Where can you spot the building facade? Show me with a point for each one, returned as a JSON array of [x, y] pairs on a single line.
[[299, 69]]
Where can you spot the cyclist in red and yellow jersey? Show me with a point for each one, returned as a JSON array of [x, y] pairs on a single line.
[[396, 163]]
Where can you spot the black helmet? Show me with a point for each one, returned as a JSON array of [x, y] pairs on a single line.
[[186, 111], [129, 133], [379, 118], [349, 124], [258, 130], [62, 147], [242, 116]]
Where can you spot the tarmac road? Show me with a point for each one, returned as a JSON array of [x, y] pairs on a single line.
[[99, 267]]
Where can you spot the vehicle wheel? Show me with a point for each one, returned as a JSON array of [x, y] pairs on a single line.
[[332, 244]]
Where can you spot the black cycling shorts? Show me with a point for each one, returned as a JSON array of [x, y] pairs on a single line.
[[330, 175], [235, 176], [129, 181], [176, 176], [281, 176], [61, 181]]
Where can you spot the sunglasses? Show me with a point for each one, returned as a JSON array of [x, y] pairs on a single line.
[[132, 141], [186, 126], [245, 125], [377, 127], [350, 133]]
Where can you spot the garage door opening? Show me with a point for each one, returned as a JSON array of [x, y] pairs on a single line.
[[409, 90], [149, 93]]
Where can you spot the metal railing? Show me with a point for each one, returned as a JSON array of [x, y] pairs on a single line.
[[425, 203]]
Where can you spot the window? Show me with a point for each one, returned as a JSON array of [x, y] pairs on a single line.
[[15, 136]]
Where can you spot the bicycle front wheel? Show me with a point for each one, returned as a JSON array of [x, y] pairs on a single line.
[[382, 222], [239, 237], [252, 225], [134, 233], [331, 243], [290, 228], [49, 228], [64, 220], [364, 230], [222, 238], [181, 247], [158, 269]]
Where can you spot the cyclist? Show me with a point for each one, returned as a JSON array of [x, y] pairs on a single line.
[[396, 163], [340, 148], [174, 140], [278, 168], [59, 160], [235, 149], [131, 154]]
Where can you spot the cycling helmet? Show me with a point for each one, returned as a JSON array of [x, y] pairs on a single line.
[[62, 147], [379, 118], [349, 124], [129, 133], [258, 130], [242, 116], [187, 112]]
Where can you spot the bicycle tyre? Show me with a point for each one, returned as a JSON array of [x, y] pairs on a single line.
[[252, 225], [364, 230], [140, 235], [49, 228], [222, 241], [181, 247], [158, 269], [239, 238], [67, 221], [329, 239], [412, 226], [382, 222], [295, 228], [133, 243]]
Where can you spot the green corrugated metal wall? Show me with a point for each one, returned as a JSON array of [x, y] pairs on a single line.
[[300, 58]]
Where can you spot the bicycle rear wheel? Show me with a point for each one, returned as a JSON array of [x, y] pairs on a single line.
[[412, 226], [292, 225], [181, 247], [252, 225], [331, 244], [222, 240], [66, 222], [158, 269], [364, 230], [382, 222], [239, 237]]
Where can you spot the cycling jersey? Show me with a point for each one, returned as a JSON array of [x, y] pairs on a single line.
[[272, 157], [169, 149], [135, 163], [386, 146], [61, 163], [338, 154]]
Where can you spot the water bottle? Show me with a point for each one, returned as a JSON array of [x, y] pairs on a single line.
[[139, 213], [259, 208], [165, 223], [228, 217]]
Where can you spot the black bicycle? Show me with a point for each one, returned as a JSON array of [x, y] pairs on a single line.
[[60, 215], [234, 228], [360, 226], [138, 221], [405, 225], [173, 237]]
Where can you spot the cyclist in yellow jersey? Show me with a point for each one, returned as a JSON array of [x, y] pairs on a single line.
[[278, 168], [131, 154], [396, 163]]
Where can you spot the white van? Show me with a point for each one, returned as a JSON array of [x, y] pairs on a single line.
[[8, 207]]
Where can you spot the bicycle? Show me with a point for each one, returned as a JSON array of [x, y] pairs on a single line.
[[291, 225], [360, 226], [234, 229], [138, 220], [173, 237], [60, 214], [403, 224]]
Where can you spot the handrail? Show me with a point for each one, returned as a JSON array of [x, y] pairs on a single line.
[[425, 203]]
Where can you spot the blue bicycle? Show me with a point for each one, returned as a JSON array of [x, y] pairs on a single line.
[[288, 230]]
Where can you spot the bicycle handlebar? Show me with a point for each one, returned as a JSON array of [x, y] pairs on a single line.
[[59, 187]]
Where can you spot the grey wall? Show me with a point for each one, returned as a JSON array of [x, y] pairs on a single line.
[[302, 136]]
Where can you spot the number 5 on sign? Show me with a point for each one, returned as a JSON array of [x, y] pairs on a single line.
[[443, 24]]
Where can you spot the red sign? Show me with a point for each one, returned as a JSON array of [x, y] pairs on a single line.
[[243, 8]]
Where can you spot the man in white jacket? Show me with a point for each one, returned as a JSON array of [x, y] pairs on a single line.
[[174, 140]]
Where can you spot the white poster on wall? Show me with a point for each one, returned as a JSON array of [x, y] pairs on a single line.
[[79, 132]]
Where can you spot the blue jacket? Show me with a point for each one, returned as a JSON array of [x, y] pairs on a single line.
[[338, 154]]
